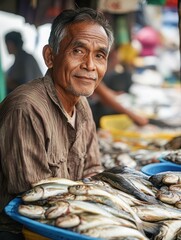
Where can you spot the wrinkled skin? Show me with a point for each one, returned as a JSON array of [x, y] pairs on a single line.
[[80, 64]]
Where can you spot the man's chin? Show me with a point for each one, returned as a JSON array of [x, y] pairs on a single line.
[[88, 94], [84, 93]]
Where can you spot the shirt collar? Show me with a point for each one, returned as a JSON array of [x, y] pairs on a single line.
[[50, 88]]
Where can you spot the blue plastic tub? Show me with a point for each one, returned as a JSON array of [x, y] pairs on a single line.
[[155, 168], [45, 230]]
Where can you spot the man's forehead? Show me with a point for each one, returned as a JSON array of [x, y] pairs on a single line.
[[87, 28], [86, 31]]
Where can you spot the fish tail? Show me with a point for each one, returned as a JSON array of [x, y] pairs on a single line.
[[139, 224]]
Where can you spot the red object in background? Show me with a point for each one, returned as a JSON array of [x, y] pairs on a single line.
[[171, 3]]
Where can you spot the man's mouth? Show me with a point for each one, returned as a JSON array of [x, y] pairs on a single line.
[[92, 78]]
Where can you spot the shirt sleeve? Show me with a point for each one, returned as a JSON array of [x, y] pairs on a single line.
[[23, 153]]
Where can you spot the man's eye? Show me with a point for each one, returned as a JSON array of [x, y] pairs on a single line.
[[101, 56], [77, 51]]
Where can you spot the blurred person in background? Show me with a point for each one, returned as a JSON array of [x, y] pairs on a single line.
[[117, 80], [25, 67]]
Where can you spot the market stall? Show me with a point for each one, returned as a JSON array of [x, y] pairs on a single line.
[[117, 203], [137, 195]]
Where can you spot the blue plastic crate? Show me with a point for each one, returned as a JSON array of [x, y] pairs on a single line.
[[45, 230], [155, 168]]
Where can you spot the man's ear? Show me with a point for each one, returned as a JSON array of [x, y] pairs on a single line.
[[48, 56]]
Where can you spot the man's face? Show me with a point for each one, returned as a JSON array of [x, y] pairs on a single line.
[[82, 59]]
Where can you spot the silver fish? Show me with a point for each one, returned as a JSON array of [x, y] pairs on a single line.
[[59, 209], [64, 207], [112, 231], [169, 230], [91, 198], [156, 212], [174, 178], [116, 212], [69, 196], [143, 185], [122, 183], [178, 237], [151, 228], [62, 196], [178, 204], [174, 156], [166, 178], [95, 190], [169, 197], [32, 211], [88, 221], [175, 187], [63, 181], [67, 221], [130, 199], [44, 191], [126, 170]]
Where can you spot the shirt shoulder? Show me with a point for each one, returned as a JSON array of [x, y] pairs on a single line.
[[32, 94]]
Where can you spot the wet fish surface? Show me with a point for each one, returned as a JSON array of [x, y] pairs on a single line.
[[166, 178], [32, 211], [112, 231], [44, 191], [154, 213], [122, 183], [169, 230]]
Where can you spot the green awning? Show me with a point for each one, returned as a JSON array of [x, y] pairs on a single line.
[[2, 83]]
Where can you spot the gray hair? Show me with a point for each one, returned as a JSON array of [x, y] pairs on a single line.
[[70, 16]]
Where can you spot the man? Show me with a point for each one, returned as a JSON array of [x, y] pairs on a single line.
[[46, 125], [25, 67]]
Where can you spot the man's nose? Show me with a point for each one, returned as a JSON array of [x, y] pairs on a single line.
[[88, 63]]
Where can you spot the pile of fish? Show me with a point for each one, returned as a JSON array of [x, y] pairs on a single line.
[[169, 184], [115, 154], [136, 153], [119, 153], [118, 203], [173, 156]]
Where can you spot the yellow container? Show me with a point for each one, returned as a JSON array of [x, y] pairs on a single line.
[[121, 126], [33, 236], [118, 125]]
